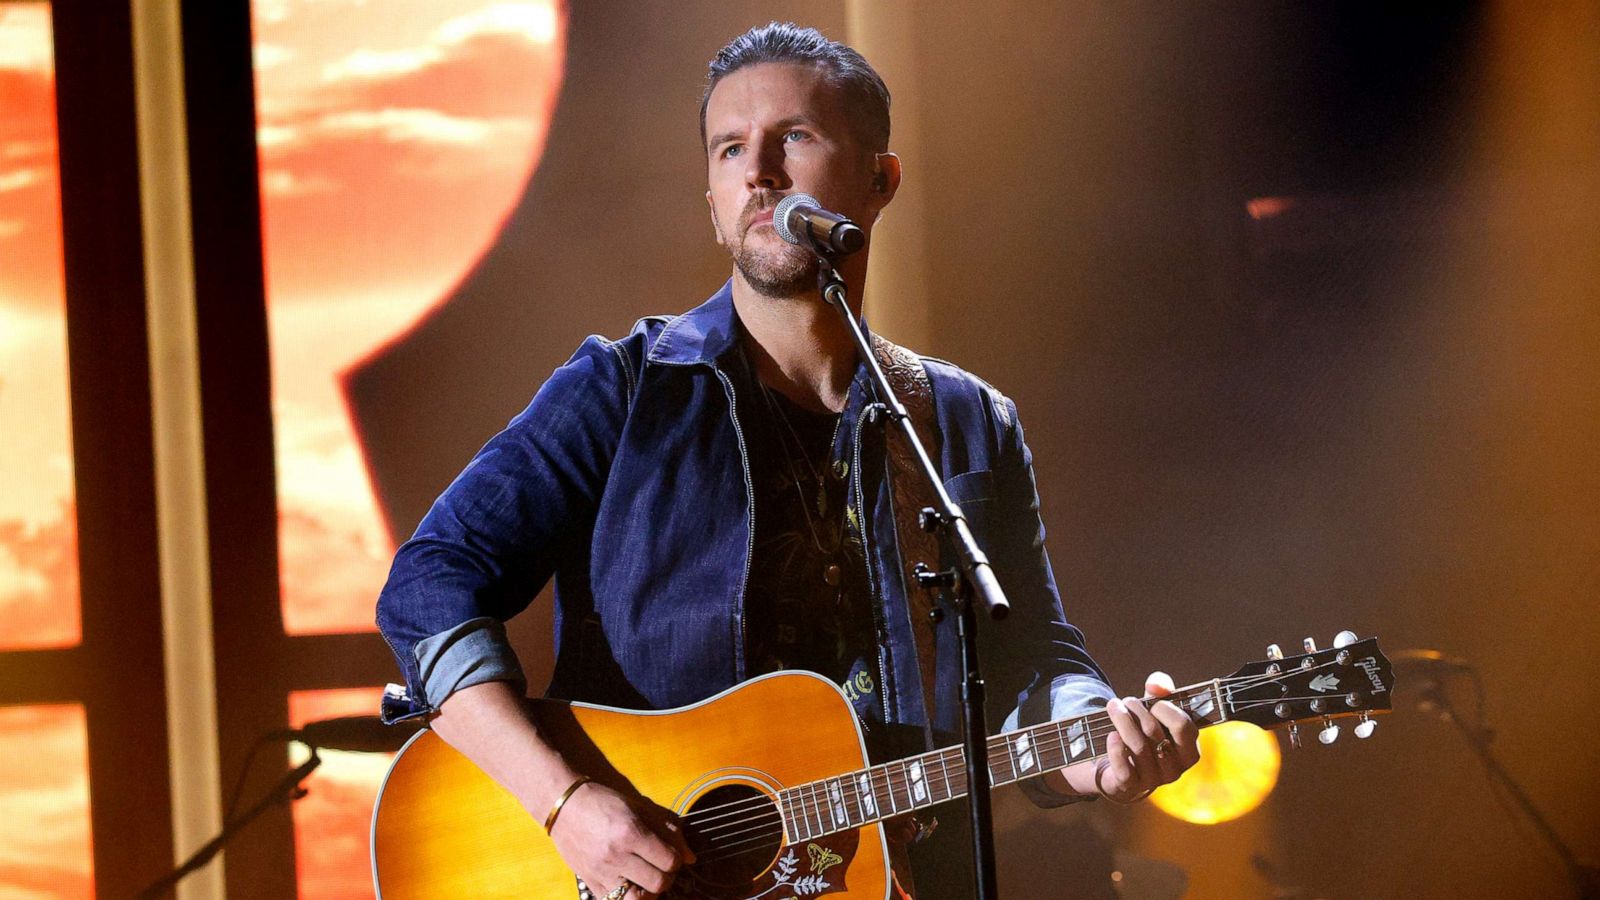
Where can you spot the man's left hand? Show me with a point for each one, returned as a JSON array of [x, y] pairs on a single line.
[[1154, 743]]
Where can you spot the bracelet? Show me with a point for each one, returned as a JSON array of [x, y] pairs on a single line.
[[550, 820], [1098, 770]]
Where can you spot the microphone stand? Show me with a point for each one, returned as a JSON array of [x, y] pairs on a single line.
[[1585, 878], [287, 789], [961, 589]]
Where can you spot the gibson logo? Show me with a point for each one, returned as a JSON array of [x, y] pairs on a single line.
[[1370, 666]]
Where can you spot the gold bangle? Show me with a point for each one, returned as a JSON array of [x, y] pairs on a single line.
[[1098, 770], [550, 820]]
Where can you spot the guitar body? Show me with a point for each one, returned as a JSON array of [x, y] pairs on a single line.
[[443, 829]]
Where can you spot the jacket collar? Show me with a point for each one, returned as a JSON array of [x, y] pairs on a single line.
[[700, 335], [703, 334]]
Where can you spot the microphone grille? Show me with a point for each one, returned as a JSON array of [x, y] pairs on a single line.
[[780, 215]]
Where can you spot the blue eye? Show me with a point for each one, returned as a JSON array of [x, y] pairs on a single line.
[[732, 150], [795, 135]]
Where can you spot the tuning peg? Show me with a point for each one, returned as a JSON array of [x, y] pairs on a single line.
[[1311, 645], [1294, 735], [1365, 728], [1344, 639], [1329, 732], [1274, 651]]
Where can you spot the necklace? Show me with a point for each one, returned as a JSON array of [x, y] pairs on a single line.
[[817, 479]]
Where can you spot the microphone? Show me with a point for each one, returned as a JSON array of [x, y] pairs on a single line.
[[358, 734], [799, 219]]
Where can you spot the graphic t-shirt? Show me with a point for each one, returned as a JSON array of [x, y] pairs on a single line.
[[809, 602]]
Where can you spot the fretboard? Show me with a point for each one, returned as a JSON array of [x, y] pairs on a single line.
[[869, 795]]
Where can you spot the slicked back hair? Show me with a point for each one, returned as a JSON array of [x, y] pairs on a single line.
[[866, 96]]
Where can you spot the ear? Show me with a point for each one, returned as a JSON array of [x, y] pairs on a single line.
[[716, 227], [886, 178]]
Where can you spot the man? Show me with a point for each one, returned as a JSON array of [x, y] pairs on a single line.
[[711, 495]]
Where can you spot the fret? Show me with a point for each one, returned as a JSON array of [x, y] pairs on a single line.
[[905, 785], [957, 782], [802, 821], [1059, 740], [851, 800], [916, 783], [1047, 750], [888, 789], [796, 815], [836, 803], [786, 810], [1206, 704], [1022, 753], [944, 771], [869, 796], [806, 817], [1077, 740], [819, 802]]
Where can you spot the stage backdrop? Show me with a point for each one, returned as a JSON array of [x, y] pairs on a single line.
[[1298, 306], [1298, 310]]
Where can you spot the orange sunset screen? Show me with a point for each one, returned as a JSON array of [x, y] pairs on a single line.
[[395, 139], [45, 848]]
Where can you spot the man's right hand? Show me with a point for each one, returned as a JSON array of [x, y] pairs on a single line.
[[605, 837]]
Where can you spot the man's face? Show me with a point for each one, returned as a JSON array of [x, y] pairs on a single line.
[[774, 129]]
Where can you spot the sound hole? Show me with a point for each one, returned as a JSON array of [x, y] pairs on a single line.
[[736, 832]]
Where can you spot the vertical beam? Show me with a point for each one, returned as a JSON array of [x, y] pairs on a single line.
[[236, 411], [179, 460], [111, 435], [897, 294]]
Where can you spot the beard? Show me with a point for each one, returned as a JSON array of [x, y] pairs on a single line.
[[784, 270]]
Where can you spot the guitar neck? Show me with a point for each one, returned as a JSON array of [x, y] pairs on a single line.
[[870, 795]]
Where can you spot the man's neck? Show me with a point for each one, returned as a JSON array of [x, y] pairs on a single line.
[[799, 345]]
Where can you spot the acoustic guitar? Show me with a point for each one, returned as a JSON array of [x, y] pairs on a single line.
[[772, 784]]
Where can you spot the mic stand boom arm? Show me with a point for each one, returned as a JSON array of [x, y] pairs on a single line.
[[970, 584]]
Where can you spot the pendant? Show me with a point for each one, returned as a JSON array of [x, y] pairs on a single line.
[[833, 575]]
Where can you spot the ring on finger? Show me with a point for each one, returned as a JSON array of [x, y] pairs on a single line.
[[621, 890], [1163, 747]]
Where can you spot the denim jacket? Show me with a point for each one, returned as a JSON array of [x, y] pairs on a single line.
[[627, 479]]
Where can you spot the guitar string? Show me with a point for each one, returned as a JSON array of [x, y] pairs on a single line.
[[767, 813], [765, 808], [952, 785], [998, 752]]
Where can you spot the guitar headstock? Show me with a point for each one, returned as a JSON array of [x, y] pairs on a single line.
[[1351, 678]]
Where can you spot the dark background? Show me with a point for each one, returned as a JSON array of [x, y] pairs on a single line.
[[1371, 403]]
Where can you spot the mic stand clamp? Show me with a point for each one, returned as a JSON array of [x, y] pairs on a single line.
[[964, 582]]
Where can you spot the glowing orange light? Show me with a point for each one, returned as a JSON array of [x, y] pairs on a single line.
[[1237, 770]]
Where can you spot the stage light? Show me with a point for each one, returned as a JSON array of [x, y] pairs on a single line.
[[1238, 768]]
